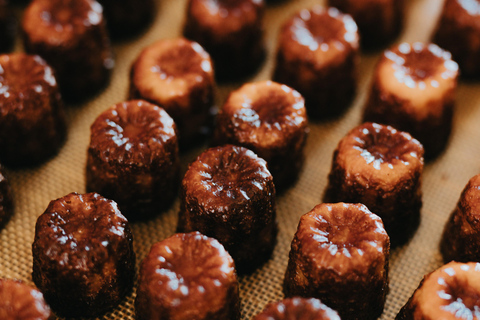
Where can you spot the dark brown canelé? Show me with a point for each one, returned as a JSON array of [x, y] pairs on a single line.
[[380, 167], [379, 21], [317, 54], [270, 119], [461, 236], [228, 193], [413, 90], [458, 31], [83, 258], [126, 18], [7, 27], [32, 119], [187, 276], [297, 309], [449, 293], [177, 75], [133, 158], [6, 200], [231, 31], [340, 255], [71, 36], [19, 301]]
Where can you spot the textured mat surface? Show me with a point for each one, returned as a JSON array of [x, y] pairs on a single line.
[[443, 179]]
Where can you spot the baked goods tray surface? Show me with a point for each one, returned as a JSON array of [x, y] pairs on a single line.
[[443, 178]]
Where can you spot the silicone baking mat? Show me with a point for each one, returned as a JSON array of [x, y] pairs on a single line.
[[443, 179]]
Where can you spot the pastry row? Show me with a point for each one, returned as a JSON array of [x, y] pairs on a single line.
[[339, 254]]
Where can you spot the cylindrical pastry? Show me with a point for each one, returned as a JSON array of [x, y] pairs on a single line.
[[379, 21], [228, 194], [297, 309], [413, 90], [32, 119], [187, 276], [83, 258], [177, 75], [461, 236], [458, 31], [133, 158], [127, 17], [7, 27], [231, 31], [380, 167], [317, 54], [6, 200], [19, 301], [448, 293], [270, 119], [71, 36], [340, 255]]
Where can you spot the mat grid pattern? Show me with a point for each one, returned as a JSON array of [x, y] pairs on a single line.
[[443, 179]]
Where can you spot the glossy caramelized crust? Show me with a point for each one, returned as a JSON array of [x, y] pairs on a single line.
[[176, 74], [228, 194], [83, 242], [450, 292], [379, 21], [187, 276], [316, 55], [133, 158], [380, 167], [461, 236], [297, 309], [6, 200], [7, 27], [126, 18], [71, 36], [270, 119], [231, 31], [19, 301], [458, 31], [340, 255], [414, 90], [32, 119]]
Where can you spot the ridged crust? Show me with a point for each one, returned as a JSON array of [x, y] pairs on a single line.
[[6, 200], [177, 75], [380, 167], [379, 21], [317, 55], [340, 255], [83, 242], [187, 276], [133, 158], [297, 309], [73, 40], [19, 301], [460, 239], [32, 119], [231, 31], [228, 194], [450, 292], [270, 119], [413, 90], [458, 31]]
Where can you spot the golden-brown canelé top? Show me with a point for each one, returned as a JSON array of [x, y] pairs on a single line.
[[418, 73], [320, 36], [379, 155], [345, 238], [186, 272]]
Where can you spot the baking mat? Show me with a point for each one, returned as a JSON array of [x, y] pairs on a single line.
[[443, 179]]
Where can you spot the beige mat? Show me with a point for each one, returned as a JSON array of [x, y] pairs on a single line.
[[443, 180]]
